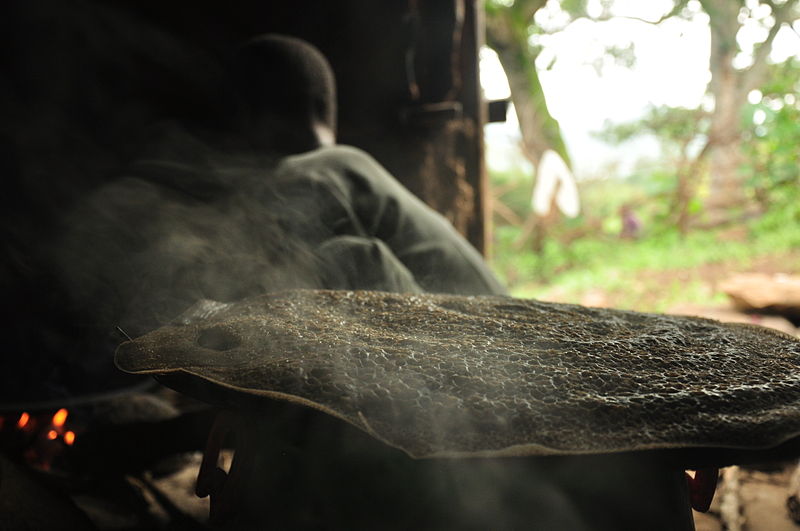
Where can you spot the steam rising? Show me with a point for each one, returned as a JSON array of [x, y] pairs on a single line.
[[81, 84]]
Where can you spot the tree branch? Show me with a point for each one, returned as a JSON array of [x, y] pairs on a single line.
[[526, 9], [508, 36], [754, 76], [675, 11]]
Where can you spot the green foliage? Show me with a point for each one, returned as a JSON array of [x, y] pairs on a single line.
[[587, 253], [649, 274], [662, 267], [494, 6], [675, 127], [772, 142], [518, 198], [576, 8], [624, 56]]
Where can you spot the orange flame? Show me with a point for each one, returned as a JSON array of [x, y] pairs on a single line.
[[23, 420], [52, 434], [60, 417], [69, 438]]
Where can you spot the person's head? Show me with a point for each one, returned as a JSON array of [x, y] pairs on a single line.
[[287, 94]]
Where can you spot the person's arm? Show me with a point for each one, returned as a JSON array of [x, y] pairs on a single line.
[[369, 202]]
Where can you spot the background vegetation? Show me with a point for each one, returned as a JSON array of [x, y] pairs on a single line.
[[688, 239]]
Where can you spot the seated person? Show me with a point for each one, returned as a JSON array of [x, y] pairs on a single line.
[[188, 221], [287, 91]]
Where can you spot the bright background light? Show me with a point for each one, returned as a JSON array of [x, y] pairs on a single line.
[[671, 68]]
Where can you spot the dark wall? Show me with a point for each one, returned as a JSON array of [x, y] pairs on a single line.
[[83, 82], [392, 59]]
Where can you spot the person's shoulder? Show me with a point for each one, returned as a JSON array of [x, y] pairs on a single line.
[[336, 155], [346, 151], [338, 166]]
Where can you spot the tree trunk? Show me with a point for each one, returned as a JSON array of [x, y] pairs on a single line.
[[507, 34], [724, 148], [730, 88]]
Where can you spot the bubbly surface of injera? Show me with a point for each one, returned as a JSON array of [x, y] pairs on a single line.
[[445, 375]]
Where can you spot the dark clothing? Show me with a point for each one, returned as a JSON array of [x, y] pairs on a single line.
[[349, 193], [186, 223], [354, 262]]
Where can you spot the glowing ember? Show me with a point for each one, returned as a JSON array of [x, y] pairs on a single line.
[[60, 417], [39, 438]]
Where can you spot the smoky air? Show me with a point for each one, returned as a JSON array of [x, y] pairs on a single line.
[[117, 210]]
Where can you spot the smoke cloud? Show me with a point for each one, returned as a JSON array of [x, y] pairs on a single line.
[[91, 95]]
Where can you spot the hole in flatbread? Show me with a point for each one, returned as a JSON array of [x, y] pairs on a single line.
[[217, 339]]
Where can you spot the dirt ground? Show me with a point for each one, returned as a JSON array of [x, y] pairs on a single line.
[[753, 500], [660, 290]]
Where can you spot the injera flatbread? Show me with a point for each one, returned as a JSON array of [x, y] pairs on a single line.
[[446, 375]]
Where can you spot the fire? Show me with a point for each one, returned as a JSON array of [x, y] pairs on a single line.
[[60, 417], [40, 438], [23, 420]]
